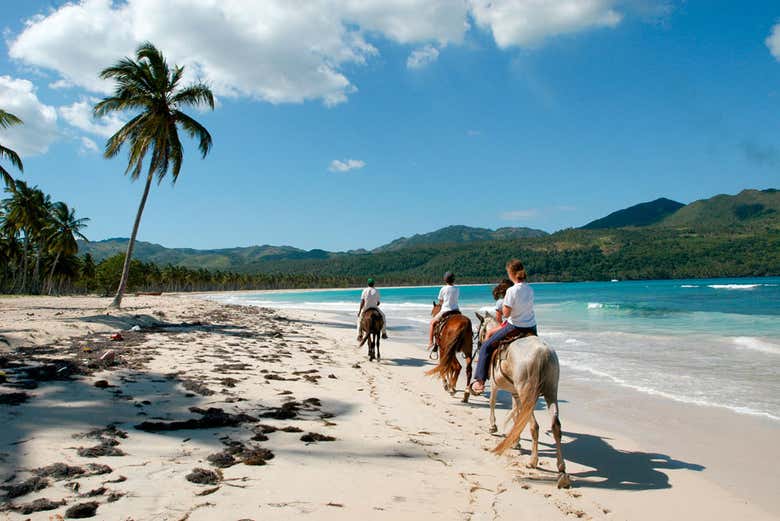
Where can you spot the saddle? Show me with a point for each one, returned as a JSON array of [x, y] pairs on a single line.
[[443, 322], [516, 333]]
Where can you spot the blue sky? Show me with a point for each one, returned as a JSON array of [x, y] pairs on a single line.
[[510, 113]]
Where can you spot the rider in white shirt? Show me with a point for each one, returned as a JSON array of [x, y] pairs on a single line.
[[369, 299], [448, 299]]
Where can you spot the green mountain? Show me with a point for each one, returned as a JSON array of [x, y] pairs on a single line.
[[223, 259], [749, 208], [643, 214], [726, 235], [459, 234]]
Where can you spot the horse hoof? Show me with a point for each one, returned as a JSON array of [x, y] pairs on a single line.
[[533, 464], [465, 397], [564, 481], [493, 429]]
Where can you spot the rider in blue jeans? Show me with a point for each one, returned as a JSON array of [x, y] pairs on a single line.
[[519, 314]]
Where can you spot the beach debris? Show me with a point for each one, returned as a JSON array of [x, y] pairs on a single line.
[[106, 447], [207, 491], [117, 337], [3, 377], [58, 471], [259, 436], [265, 428], [102, 384], [356, 366], [135, 328], [108, 357], [39, 505], [33, 484], [313, 437], [197, 387], [82, 510], [204, 476], [256, 456], [14, 398], [222, 459], [211, 418], [291, 428], [95, 492], [119, 479], [332, 376], [114, 496]]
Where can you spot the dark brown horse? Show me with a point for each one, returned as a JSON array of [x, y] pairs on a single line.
[[455, 337], [370, 330]]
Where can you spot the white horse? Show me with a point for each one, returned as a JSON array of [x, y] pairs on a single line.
[[528, 368]]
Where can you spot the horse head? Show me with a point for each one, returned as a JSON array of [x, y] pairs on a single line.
[[436, 308]]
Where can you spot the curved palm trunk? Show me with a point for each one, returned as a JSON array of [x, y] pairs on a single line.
[[51, 275], [25, 266], [117, 302]]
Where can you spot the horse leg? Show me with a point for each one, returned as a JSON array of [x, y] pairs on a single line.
[[563, 478], [468, 379], [493, 395], [377, 336], [535, 448], [370, 347]]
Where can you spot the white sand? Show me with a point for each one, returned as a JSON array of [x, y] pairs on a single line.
[[404, 449]]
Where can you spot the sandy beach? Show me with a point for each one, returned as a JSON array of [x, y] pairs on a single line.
[[206, 411]]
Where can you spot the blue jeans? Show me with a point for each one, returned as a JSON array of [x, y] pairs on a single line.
[[486, 351]]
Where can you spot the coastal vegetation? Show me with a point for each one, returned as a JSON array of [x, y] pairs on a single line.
[[38, 242]]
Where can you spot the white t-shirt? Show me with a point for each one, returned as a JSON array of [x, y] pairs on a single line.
[[449, 298], [520, 298], [370, 297]]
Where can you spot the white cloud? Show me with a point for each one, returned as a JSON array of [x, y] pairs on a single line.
[[527, 22], [422, 57], [773, 41], [275, 50], [519, 215], [87, 145], [346, 165], [281, 51], [39, 129], [79, 115]]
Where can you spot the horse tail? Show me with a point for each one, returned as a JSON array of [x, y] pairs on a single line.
[[527, 398], [448, 356]]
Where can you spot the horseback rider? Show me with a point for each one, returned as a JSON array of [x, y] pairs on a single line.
[[369, 299], [448, 300], [518, 311]]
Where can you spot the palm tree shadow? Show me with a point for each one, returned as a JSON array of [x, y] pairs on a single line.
[[616, 469]]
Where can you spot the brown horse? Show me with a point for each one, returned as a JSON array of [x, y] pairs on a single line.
[[370, 330], [455, 337]]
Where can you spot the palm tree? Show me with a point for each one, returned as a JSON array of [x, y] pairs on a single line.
[[63, 228], [148, 85], [26, 211], [8, 120]]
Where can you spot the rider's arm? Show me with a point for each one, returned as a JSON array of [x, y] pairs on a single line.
[[507, 311], [362, 303]]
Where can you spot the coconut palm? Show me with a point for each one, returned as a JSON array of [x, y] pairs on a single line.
[[8, 120], [147, 84], [63, 228], [26, 212]]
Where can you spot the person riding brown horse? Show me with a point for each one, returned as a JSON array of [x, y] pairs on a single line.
[[453, 334], [371, 326]]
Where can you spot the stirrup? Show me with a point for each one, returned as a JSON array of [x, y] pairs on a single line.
[[434, 354]]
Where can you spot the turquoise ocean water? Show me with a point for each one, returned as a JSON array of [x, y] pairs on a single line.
[[709, 342]]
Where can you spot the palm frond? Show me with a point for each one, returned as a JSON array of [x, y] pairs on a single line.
[[194, 95], [8, 120], [13, 157], [195, 130]]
